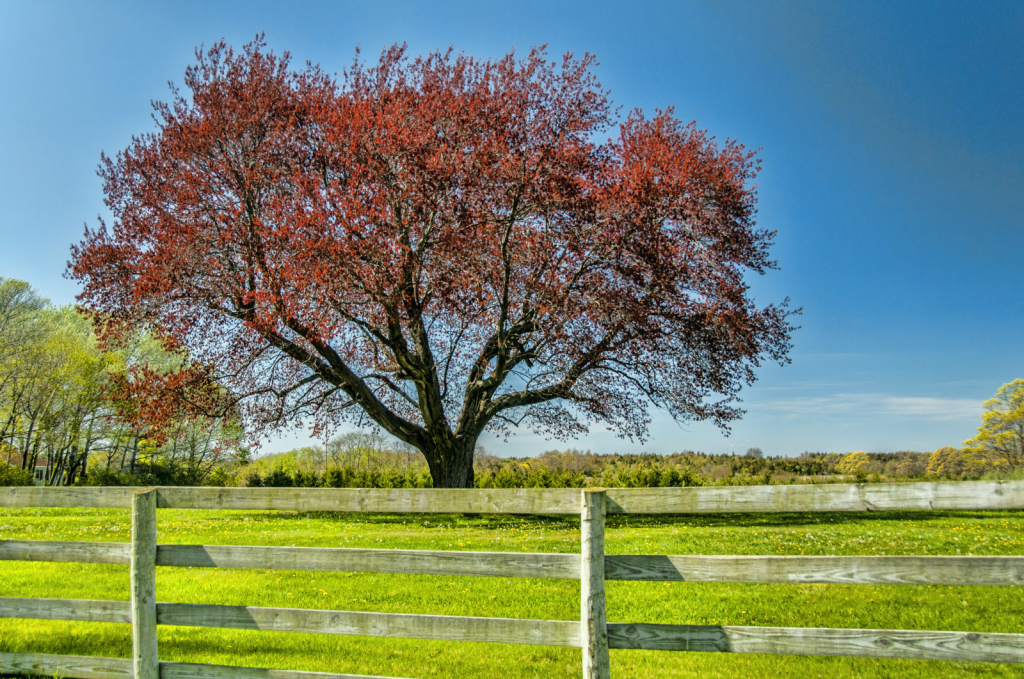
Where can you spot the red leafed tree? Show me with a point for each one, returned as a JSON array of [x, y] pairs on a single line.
[[437, 245], [154, 402]]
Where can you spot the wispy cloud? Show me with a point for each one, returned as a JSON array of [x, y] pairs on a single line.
[[879, 404], [927, 406]]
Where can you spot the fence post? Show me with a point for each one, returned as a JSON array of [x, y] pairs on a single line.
[[592, 607], [143, 579]]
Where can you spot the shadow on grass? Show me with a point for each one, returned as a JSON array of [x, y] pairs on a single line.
[[618, 521]]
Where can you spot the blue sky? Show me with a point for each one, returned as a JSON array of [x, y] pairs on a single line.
[[892, 144]]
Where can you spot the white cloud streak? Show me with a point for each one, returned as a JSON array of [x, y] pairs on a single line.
[[879, 404]]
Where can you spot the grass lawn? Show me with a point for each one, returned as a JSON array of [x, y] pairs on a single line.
[[980, 609]]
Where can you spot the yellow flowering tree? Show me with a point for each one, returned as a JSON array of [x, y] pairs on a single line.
[[948, 463], [852, 463], [1000, 440]]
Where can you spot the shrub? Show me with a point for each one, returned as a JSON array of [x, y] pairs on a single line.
[[335, 478], [15, 476], [105, 476], [508, 477], [278, 478], [688, 478], [219, 478], [419, 478], [301, 479], [390, 478], [669, 478]]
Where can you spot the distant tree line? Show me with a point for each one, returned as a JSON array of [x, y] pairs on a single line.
[[362, 460]]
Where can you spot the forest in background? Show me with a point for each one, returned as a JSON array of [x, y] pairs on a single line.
[[70, 414], [358, 460]]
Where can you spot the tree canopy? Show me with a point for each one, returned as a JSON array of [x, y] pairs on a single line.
[[1000, 441], [437, 245]]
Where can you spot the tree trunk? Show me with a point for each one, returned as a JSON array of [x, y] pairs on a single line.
[[84, 462], [451, 466], [135, 453], [59, 458]]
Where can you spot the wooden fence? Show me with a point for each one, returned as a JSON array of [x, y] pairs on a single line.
[[593, 634]]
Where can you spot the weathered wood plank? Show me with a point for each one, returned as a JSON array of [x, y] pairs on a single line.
[[44, 496], [866, 643], [877, 570], [965, 495], [437, 562], [397, 500], [593, 620], [181, 670], [72, 666], [884, 570], [88, 667], [85, 610], [420, 562], [865, 497], [143, 585], [444, 627], [72, 552]]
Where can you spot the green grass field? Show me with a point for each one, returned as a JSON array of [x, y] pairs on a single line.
[[981, 609]]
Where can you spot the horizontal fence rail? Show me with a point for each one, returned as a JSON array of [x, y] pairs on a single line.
[[88, 667], [848, 570], [863, 643], [868, 497], [80, 610], [69, 552], [408, 561], [382, 500], [442, 627], [931, 645], [845, 570], [593, 567]]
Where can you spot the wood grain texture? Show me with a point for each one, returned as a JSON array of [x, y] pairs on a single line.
[[486, 564], [879, 570], [866, 643], [444, 627], [143, 585], [72, 552], [965, 495], [72, 666], [864, 497], [885, 570], [398, 500], [85, 610], [44, 496], [181, 670], [88, 667], [593, 620]]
